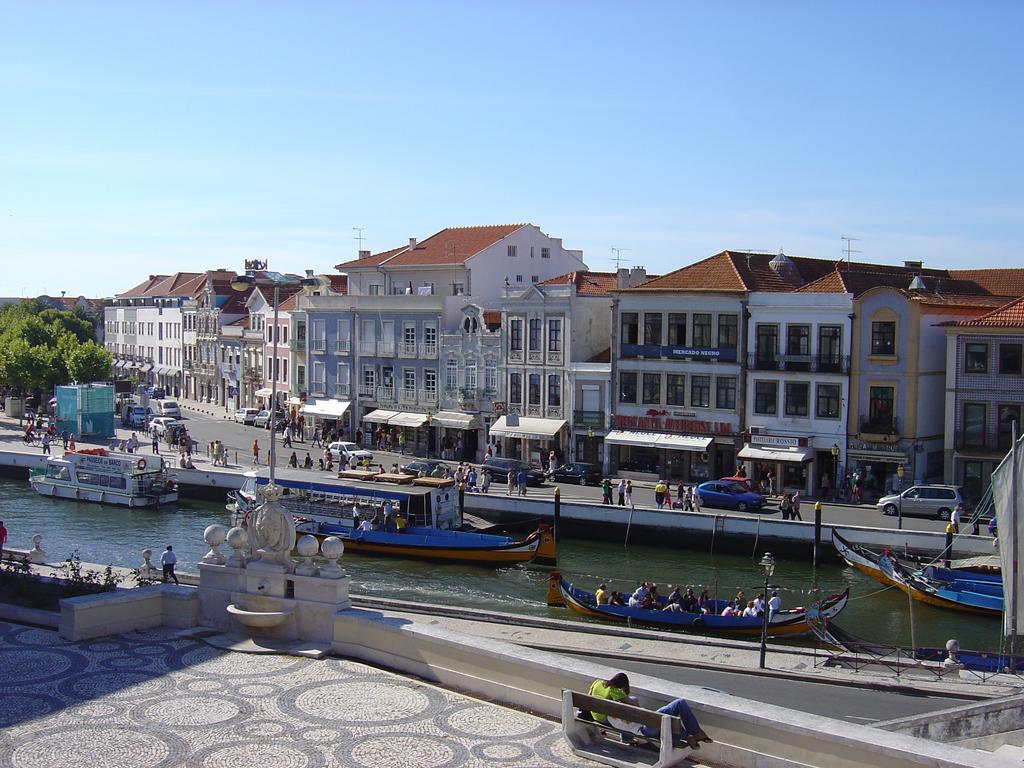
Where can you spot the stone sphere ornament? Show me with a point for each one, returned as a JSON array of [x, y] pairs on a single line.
[[307, 547], [332, 548], [238, 540], [214, 536]]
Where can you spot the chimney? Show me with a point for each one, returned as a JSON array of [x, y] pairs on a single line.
[[412, 243], [309, 273], [918, 265], [622, 278], [556, 243], [364, 254], [637, 276]]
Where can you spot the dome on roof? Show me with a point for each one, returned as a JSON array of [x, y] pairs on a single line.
[[785, 268]]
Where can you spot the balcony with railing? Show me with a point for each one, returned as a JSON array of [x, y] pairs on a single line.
[[342, 389], [588, 419], [553, 412], [368, 347], [880, 430], [366, 390], [776, 361], [298, 345], [385, 394], [318, 346], [407, 396], [385, 348], [407, 349], [429, 350], [343, 346], [983, 444], [318, 388], [428, 396]]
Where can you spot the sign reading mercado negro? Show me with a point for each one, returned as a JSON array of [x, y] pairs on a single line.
[[723, 354]]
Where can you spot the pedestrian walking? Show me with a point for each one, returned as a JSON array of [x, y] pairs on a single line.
[[168, 560], [606, 491], [71, 443], [622, 492], [521, 482], [64, 436], [659, 493], [485, 481], [795, 508], [154, 437], [956, 516], [255, 451], [134, 443], [511, 481], [785, 506], [316, 439], [46, 443], [629, 493], [695, 498], [287, 442], [826, 485], [401, 442]]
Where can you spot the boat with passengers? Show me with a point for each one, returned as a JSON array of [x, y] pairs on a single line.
[[106, 477], [389, 514]]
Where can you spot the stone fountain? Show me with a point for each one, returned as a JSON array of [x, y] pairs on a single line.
[[268, 596]]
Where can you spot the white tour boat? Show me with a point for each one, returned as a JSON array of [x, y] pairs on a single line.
[[126, 479]]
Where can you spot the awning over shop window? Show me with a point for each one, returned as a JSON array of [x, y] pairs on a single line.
[[408, 420], [379, 416], [752, 453], [147, 368], [878, 457], [265, 392], [528, 428], [328, 409], [119, 363], [658, 440], [453, 420]]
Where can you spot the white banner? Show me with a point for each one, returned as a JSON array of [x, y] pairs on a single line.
[[1010, 531]]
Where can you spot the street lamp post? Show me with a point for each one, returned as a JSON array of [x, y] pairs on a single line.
[[899, 474], [768, 566], [835, 470]]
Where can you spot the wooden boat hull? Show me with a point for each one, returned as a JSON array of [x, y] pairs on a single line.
[[444, 546], [789, 622], [919, 589]]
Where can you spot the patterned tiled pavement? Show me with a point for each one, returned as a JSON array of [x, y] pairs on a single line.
[[152, 699]]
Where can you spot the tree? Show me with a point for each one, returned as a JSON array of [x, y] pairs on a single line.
[[23, 366], [88, 362]]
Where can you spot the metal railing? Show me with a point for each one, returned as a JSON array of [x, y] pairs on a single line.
[[298, 345], [407, 349], [385, 394], [318, 346], [343, 346], [385, 348], [428, 350], [367, 347], [318, 387], [880, 427], [407, 395], [777, 361], [367, 391], [428, 396], [342, 389], [588, 418]]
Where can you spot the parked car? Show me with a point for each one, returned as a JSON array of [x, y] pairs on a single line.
[[726, 494], [746, 482], [347, 450], [262, 419], [246, 415], [162, 423], [136, 416], [934, 501], [499, 468], [426, 467], [577, 472], [167, 408]]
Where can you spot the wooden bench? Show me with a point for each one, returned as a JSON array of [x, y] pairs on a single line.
[[604, 743]]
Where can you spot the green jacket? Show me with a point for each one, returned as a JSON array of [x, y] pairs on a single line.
[[599, 690]]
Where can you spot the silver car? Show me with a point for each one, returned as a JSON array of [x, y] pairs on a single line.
[[934, 501]]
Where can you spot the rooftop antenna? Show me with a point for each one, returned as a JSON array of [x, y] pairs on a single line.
[[618, 256], [359, 236], [848, 248]]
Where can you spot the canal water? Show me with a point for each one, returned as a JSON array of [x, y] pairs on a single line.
[[116, 535]]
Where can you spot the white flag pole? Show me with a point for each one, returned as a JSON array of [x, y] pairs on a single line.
[[1016, 537]]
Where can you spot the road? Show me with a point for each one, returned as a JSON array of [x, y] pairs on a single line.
[[843, 702], [238, 439]]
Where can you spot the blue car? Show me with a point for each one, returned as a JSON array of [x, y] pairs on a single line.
[[727, 494]]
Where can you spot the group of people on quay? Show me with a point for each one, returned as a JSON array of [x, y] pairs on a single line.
[[687, 497], [46, 434], [646, 596]]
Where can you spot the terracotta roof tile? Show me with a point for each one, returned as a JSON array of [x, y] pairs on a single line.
[[339, 284], [492, 317], [739, 271], [997, 282], [602, 357], [587, 283], [142, 288], [1007, 316], [452, 245]]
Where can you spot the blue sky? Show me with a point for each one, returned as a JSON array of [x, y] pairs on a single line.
[[138, 138]]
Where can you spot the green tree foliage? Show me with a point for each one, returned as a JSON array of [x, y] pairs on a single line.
[[41, 347]]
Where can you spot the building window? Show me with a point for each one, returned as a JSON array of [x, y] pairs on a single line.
[[545, 253], [491, 378], [430, 380], [630, 328], [652, 389], [677, 329], [555, 335], [534, 339], [829, 347], [409, 379], [409, 334], [1008, 414], [515, 388], [555, 390], [700, 388], [512, 252], [880, 407], [701, 329], [458, 289], [728, 331], [796, 398], [675, 389], [766, 397], [828, 401], [1010, 358], [534, 278], [627, 386], [519, 278], [726, 393], [976, 358], [469, 374], [515, 335], [369, 376], [767, 345], [652, 328], [451, 375], [883, 337], [798, 340], [974, 425], [534, 388]]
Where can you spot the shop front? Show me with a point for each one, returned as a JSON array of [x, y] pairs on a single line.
[[661, 455], [529, 439], [455, 435], [322, 415], [385, 430], [786, 460], [878, 471]]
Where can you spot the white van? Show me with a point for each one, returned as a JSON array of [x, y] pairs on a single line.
[[167, 408]]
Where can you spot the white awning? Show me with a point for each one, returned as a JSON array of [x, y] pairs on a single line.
[[379, 416], [658, 440], [798, 455], [293, 401], [147, 368], [265, 392], [329, 409], [120, 363], [408, 420], [529, 428], [453, 420]]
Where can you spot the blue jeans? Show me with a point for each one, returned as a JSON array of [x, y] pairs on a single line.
[[678, 708]]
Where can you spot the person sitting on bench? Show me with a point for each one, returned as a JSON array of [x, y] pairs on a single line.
[[617, 689]]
